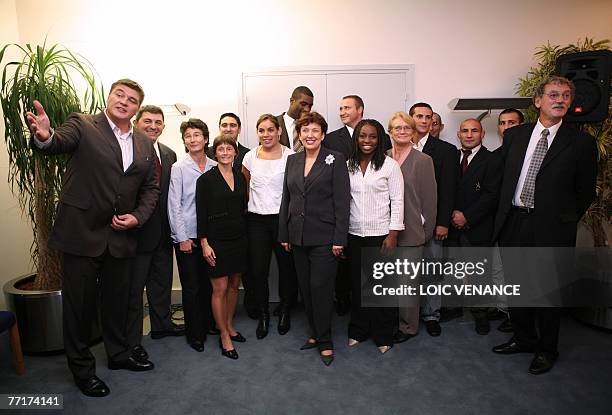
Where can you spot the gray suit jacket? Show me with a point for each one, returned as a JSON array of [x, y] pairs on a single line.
[[315, 210], [95, 188], [420, 198]]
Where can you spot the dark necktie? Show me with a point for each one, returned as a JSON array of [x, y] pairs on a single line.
[[464, 161], [528, 192], [158, 169]]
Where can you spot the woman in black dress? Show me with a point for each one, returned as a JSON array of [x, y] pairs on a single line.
[[221, 202]]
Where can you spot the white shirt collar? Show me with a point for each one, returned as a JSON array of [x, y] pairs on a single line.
[[116, 129], [421, 144]]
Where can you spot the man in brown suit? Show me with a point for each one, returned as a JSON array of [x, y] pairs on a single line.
[[110, 188]]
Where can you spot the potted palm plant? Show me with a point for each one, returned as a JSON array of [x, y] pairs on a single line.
[[53, 75]]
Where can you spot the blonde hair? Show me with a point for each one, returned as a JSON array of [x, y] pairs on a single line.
[[404, 116]]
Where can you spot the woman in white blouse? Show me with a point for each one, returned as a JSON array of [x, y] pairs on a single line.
[[377, 216], [264, 169], [183, 226]]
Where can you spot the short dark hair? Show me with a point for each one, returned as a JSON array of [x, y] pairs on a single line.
[[420, 105], [310, 118], [268, 117], [510, 111], [356, 98], [378, 158], [301, 90], [197, 124], [130, 84], [224, 139], [230, 114], [153, 109]]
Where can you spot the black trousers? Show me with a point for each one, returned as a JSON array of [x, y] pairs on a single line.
[[378, 322], [153, 270], [316, 268], [86, 280], [196, 292], [536, 327], [263, 240]]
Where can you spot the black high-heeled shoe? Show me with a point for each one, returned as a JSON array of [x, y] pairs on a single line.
[[238, 337], [232, 354], [327, 359]]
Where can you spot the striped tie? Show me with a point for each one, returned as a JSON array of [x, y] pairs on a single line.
[[527, 194]]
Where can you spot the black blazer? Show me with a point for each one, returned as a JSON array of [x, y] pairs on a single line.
[[95, 188], [445, 157], [284, 138], [315, 210], [477, 197], [564, 188], [156, 230], [339, 140], [221, 212]]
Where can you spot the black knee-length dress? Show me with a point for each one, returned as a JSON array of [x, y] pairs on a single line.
[[221, 216]]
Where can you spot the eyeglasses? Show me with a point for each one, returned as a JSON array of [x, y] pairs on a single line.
[[435, 123], [401, 128], [556, 95], [194, 135]]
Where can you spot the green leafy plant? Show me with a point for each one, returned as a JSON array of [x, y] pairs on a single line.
[[600, 212], [51, 75]]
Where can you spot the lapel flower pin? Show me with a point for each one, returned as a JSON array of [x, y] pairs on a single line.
[[329, 159]]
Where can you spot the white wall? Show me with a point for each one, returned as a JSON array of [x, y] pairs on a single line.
[[194, 52]]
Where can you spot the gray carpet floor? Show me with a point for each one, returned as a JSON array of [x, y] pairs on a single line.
[[455, 373]]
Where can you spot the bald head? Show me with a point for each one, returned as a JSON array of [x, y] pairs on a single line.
[[470, 133]]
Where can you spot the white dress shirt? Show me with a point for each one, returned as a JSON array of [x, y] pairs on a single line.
[[181, 198], [377, 200], [533, 142], [471, 156], [290, 125], [419, 146]]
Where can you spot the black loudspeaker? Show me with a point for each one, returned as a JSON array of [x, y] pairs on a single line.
[[590, 73]]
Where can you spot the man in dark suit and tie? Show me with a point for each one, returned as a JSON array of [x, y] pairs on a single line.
[[340, 140], [476, 199], [445, 157], [548, 184], [110, 188], [153, 263], [301, 101]]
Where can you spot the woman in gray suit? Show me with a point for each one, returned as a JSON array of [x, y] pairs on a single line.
[[420, 199], [313, 222]]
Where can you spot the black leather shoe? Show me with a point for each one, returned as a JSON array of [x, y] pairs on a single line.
[[139, 353], [483, 327], [93, 387], [450, 313], [263, 326], [343, 306], [308, 345], [542, 363], [433, 328], [284, 322], [174, 330], [131, 364], [512, 347], [197, 345], [506, 326], [238, 338], [400, 337]]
